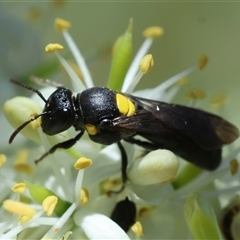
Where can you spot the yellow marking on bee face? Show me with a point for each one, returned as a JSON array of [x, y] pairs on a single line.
[[125, 105], [91, 129]]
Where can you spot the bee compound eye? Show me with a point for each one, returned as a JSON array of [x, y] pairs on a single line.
[[57, 121], [60, 110]]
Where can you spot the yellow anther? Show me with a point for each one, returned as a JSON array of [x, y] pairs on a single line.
[[84, 196], [218, 100], [35, 14], [125, 105], [195, 94], [58, 3], [143, 212], [234, 166], [36, 123], [49, 204], [24, 168], [24, 218], [183, 81], [111, 184], [153, 32], [19, 208], [91, 129], [202, 61], [61, 24], [52, 47], [21, 164], [137, 229], [146, 64], [19, 188], [82, 163], [3, 159]]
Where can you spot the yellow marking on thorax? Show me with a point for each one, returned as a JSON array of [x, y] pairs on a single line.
[[125, 106], [91, 129]]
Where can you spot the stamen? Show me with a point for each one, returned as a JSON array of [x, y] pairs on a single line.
[[21, 164], [18, 208], [24, 218], [153, 32], [202, 61], [77, 82], [218, 100], [57, 4], [195, 94], [19, 188], [143, 212], [11, 234], [52, 47], [76, 69], [137, 229], [84, 196], [49, 204], [133, 69], [183, 81], [35, 14], [111, 184], [145, 66], [170, 82], [79, 59], [234, 166], [150, 34], [61, 24], [78, 185], [3, 159], [82, 163], [61, 221]]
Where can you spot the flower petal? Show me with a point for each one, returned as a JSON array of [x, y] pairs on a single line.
[[98, 226]]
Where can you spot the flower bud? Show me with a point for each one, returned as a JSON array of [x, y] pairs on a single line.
[[201, 218], [158, 166]]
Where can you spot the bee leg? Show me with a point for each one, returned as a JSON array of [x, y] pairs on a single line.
[[148, 145], [124, 162], [66, 144]]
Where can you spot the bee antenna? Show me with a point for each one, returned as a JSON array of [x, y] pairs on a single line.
[[14, 134], [28, 88]]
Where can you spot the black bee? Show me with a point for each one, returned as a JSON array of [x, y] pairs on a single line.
[[110, 116]]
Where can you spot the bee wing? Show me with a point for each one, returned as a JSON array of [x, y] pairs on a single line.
[[207, 130]]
